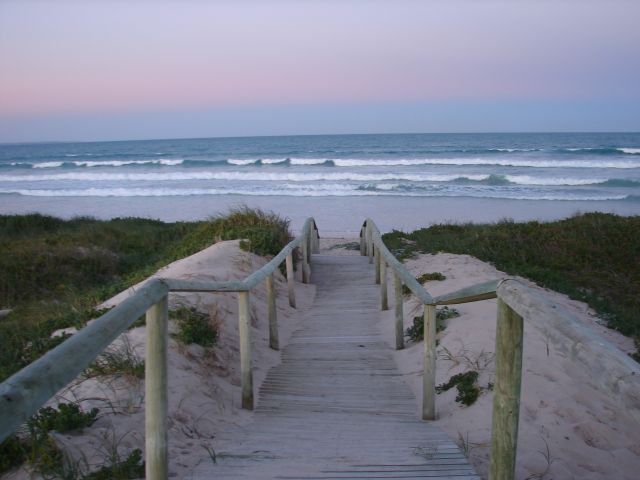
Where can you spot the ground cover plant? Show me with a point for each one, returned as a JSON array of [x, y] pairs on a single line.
[[467, 386], [424, 278], [591, 257], [416, 331]]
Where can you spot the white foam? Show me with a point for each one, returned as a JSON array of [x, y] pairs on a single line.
[[120, 163], [241, 176], [161, 192], [48, 165], [307, 161], [238, 161], [630, 151], [552, 181], [270, 161], [512, 162]]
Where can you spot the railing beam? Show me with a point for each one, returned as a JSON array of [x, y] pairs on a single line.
[[429, 372], [156, 391], [246, 375], [274, 344], [506, 393]]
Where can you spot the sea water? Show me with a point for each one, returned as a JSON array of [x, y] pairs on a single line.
[[409, 180]]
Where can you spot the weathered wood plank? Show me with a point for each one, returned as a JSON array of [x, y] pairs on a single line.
[[337, 406]]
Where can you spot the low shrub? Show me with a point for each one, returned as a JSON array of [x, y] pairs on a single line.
[[66, 418], [416, 331], [466, 383]]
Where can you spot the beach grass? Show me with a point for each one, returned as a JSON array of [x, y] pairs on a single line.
[[54, 272], [591, 257]]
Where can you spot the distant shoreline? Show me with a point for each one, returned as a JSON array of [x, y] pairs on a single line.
[[336, 216]]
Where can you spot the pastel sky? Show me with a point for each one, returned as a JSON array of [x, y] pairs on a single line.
[[98, 70]]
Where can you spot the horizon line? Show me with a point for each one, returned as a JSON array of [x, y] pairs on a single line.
[[537, 132]]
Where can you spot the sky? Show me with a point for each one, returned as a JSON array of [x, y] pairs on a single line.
[[108, 70]]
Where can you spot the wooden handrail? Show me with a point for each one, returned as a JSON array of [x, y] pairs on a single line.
[[611, 370], [509, 340], [22, 394]]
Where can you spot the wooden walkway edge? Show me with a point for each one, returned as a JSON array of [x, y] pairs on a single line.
[[337, 407]]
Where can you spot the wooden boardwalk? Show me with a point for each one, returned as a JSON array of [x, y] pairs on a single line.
[[337, 407]]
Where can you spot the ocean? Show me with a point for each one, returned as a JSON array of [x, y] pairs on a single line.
[[408, 180]]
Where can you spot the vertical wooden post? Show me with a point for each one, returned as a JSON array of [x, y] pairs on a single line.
[[309, 241], [246, 375], [273, 314], [316, 240], [384, 298], [291, 285], [370, 242], [156, 391], [506, 393], [363, 241], [305, 265], [397, 285], [378, 260], [429, 374]]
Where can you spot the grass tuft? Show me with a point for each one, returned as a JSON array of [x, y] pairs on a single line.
[[194, 327], [117, 360]]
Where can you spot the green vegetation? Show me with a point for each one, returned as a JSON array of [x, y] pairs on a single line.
[[194, 327], [54, 272], [38, 448], [424, 278], [466, 383], [67, 417], [591, 257], [12, 453], [117, 360], [129, 468], [416, 331]]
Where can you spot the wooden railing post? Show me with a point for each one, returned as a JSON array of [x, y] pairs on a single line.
[[309, 241], [429, 373], [378, 260], [291, 285], [506, 393], [363, 240], [273, 314], [156, 395], [246, 375], [305, 264], [370, 242], [384, 298], [316, 239], [397, 286]]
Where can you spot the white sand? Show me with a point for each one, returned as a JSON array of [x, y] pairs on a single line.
[[588, 434], [204, 391]]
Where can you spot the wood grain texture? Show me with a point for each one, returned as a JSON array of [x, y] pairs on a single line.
[[336, 407]]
